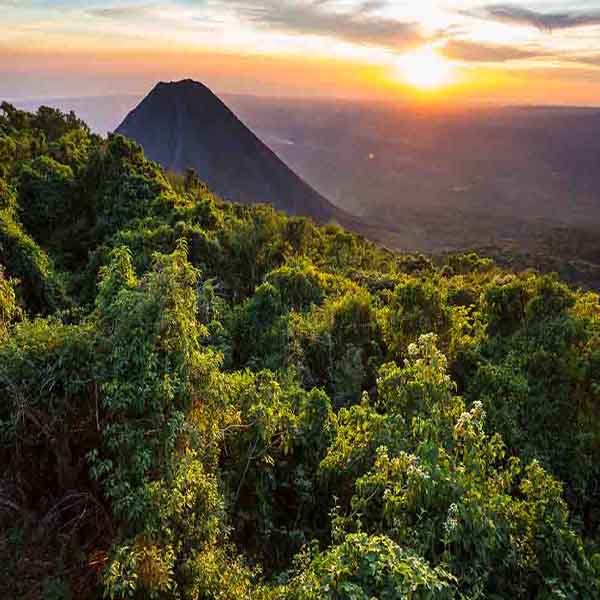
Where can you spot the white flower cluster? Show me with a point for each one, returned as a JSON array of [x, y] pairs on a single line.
[[471, 422], [414, 471], [451, 523], [478, 412]]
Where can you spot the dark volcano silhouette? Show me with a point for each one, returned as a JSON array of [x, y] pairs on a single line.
[[184, 125]]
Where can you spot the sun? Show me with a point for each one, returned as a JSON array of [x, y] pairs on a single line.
[[425, 69]]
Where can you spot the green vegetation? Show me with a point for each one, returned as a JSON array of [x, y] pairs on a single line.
[[203, 400]]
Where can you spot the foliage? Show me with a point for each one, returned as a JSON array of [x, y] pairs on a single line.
[[42, 287], [363, 567], [9, 309], [45, 196], [443, 488], [211, 400]]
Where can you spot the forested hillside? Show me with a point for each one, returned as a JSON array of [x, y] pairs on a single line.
[[205, 400]]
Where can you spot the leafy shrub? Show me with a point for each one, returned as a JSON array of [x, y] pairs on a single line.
[[46, 196], [363, 567], [9, 309], [42, 288]]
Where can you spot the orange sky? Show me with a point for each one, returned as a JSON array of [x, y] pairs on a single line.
[[534, 53]]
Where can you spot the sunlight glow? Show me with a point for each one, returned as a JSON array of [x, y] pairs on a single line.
[[425, 69]]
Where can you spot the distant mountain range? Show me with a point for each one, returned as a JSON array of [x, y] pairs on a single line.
[[184, 125]]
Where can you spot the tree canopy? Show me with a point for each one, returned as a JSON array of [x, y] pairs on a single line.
[[206, 400]]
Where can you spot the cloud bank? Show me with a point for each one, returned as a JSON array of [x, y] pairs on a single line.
[[487, 53], [518, 15], [358, 26]]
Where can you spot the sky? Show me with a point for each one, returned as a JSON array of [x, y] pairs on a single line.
[[527, 52]]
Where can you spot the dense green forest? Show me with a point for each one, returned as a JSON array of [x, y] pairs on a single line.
[[205, 400]]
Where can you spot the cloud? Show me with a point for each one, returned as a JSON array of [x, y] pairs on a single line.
[[360, 26], [591, 60], [121, 12], [369, 6], [476, 52], [511, 13]]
